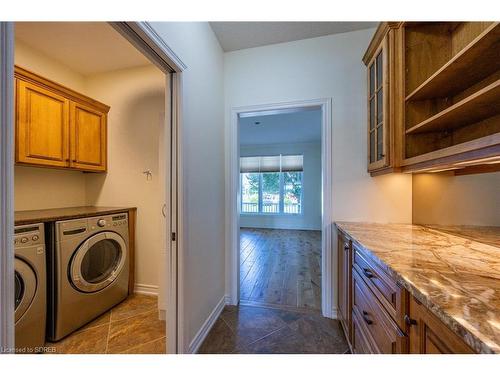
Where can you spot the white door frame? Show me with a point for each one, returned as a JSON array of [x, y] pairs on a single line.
[[7, 289], [233, 198], [143, 37]]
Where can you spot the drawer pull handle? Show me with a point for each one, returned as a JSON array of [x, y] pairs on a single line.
[[409, 321], [368, 273], [365, 317]]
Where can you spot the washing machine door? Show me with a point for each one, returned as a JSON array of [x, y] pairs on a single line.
[[98, 262], [25, 284]]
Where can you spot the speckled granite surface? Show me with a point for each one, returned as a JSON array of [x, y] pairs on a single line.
[[455, 276]]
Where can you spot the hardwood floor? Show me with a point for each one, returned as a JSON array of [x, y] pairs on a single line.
[[280, 268]]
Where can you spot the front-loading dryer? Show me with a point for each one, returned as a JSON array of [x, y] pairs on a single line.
[[89, 271], [30, 288]]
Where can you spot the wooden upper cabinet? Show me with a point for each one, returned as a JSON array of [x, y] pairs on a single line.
[[88, 138], [42, 126], [433, 97], [382, 90], [452, 95], [58, 127]]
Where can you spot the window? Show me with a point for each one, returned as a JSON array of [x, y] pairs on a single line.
[[271, 184]]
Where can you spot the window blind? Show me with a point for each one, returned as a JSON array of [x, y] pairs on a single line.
[[277, 163], [292, 163]]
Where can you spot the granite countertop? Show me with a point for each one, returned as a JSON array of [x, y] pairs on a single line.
[[456, 276], [56, 214]]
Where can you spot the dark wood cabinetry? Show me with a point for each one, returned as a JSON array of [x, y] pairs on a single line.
[[434, 92], [428, 335], [344, 283], [379, 316], [381, 330]]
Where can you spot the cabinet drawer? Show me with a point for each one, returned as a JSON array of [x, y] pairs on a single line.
[[373, 319], [360, 341], [393, 297]]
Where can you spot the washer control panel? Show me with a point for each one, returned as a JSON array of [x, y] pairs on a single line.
[[29, 235]]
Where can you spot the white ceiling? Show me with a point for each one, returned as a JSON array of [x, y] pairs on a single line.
[[304, 126], [239, 35], [85, 47]]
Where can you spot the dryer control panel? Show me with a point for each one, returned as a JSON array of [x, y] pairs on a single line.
[[29, 235]]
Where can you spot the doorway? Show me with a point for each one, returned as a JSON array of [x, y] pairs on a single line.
[[294, 265], [148, 43]]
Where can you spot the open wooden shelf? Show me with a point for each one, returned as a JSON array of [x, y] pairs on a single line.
[[477, 60], [476, 107], [478, 148]]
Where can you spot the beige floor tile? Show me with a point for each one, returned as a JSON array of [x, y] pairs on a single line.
[[134, 305], [99, 321], [89, 341], [128, 333], [154, 347]]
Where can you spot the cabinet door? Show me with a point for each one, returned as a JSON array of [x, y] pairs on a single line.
[[428, 335], [344, 283], [88, 138], [42, 126], [378, 108]]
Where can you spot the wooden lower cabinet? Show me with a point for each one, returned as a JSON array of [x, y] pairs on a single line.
[[428, 335], [344, 282], [379, 316], [382, 334]]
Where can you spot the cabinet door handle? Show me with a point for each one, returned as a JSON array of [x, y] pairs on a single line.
[[365, 317], [368, 273], [409, 321], [346, 247]]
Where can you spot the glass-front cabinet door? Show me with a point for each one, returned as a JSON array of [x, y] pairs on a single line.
[[378, 108]]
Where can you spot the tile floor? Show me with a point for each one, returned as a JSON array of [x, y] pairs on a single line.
[[258, 330], [132, 327]]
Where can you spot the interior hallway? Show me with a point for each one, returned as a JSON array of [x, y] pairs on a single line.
[[257, 330], [280, 268]]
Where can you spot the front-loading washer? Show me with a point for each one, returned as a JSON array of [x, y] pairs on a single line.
[[30, 288], [88, 271]]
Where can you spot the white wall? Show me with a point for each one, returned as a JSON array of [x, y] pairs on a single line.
[[311, 188], [324, 67], [137, 100], [203, 167], [446, 199], [40, 188]]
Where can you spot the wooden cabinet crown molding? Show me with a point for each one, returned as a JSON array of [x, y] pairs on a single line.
[[29, 76], [382, 29]]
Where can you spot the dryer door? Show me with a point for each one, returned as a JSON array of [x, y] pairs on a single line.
[[25, 282], [98, 262]]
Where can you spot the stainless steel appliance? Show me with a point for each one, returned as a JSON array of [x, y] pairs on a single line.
[[89, 269], [30, 288]]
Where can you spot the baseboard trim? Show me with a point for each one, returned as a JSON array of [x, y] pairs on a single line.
[[334, 313], [151, 290], [162, 314], [206, 326]]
